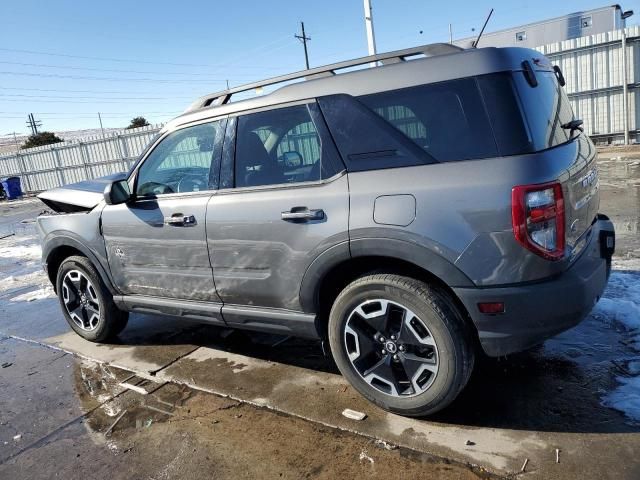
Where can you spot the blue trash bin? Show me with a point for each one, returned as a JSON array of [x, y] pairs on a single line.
[[12, 187]]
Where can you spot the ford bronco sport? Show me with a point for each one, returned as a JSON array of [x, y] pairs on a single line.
[[413, 214]]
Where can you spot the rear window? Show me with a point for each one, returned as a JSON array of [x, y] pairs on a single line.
[[479, 117], [546, 108], [447, 119]]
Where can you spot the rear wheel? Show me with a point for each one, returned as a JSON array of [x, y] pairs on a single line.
[[86, 302], [402, 344]]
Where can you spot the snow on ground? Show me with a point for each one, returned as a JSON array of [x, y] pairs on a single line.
[[21, 270], [621, 304]]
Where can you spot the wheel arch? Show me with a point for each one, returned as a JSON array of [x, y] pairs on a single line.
[[337, 267], [58, 248]]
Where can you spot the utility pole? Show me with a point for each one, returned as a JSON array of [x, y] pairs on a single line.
[[368, 21], [450, 35], [15, 139], [625, 87], [303, 38], [33, 124], [101, 128]]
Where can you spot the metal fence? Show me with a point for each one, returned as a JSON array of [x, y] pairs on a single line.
[[594, 67], [42, 168]]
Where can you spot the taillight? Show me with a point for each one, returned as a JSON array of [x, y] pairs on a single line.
[[537, 214]]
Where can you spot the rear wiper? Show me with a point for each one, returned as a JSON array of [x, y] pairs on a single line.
[[573, 125]]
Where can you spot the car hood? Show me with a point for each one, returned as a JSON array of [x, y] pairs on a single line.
[[79, 197]]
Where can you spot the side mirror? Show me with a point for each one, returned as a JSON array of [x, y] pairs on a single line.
[[117, 192]]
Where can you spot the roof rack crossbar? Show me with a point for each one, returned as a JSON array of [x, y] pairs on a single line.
[[396, 56]]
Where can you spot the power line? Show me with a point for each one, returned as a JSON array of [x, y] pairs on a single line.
[[114, 70], [119, 79], [87, 97], [146, 62], [90, 113], [75, 91]]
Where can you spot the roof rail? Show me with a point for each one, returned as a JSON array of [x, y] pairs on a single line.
[[396, 56]]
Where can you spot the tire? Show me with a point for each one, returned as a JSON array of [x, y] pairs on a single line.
[[433, 345], [86, 302]]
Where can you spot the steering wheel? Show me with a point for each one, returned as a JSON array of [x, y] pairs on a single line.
[[191, 182]]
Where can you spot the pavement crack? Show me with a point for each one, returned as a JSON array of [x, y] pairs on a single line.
[[153, 373]]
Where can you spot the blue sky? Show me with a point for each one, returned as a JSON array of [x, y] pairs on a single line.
[[66, 60]]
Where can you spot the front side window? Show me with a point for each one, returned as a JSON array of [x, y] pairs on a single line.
[[277, 146], [182, 162], [447, 120]]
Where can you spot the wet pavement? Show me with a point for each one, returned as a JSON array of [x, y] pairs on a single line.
[[522, 407], [71, 418]]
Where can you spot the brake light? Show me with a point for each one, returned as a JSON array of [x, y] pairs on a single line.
[[537, 214]]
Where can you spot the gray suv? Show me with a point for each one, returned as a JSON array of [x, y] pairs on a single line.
[[414, 214]]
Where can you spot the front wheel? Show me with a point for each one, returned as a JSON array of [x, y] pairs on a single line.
[[86, 302], [401, 343]]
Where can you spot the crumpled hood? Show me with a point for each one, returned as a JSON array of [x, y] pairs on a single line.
[[79, 197]]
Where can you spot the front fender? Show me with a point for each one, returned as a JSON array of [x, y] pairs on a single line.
[[56, 240]]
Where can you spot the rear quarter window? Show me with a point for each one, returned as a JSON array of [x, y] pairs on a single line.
[[447, 120]]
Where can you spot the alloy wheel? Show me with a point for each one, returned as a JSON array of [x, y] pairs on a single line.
[[391, 348], [81, 300]]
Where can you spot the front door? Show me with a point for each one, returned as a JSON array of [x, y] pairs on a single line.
[[288, 203], [156, 244]]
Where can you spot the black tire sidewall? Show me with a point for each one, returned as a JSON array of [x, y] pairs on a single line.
[[450, 373], [104, 297]]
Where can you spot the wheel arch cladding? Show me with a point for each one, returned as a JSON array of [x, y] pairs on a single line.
[[335, 269], [59, 248]]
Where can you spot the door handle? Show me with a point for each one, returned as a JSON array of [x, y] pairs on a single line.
[[303, 214], [180, 220]]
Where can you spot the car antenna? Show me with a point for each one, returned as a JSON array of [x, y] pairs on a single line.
[[475, 44]]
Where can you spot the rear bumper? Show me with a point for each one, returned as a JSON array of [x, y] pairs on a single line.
[[537, 311]]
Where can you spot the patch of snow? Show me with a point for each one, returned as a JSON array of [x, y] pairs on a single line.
[[20, 267], [40, 294], [621, 304], [626, 398]]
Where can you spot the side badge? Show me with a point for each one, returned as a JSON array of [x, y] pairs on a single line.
[[119, 253]]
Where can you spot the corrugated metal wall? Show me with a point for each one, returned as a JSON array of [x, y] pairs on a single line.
[[50, 166], [592, 66]]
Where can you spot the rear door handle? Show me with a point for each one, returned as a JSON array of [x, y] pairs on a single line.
[[180, 220], [303, 214]]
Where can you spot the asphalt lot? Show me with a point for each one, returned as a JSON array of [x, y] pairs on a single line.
[[232, 404]]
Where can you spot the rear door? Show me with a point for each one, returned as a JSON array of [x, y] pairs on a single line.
[[284, 200], [156, 244]]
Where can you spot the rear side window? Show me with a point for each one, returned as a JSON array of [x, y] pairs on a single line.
[[277, 146], [447, 120], [505, 113]]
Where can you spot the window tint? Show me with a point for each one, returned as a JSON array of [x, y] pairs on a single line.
[[277, 146], [506, 116], [181, 162], [546, 108], [447, 120]]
